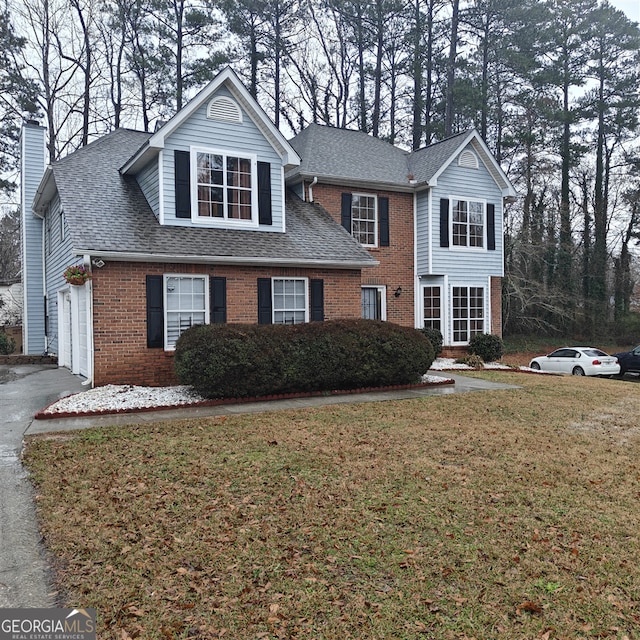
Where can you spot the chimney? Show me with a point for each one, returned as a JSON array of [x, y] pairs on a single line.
[[32, 166]]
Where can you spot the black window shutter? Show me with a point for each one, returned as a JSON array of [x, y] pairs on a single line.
[[155, 313], [444, 222], [264, 193], [218, 301], [491, 227], [264, 300], [316, 293], [183, 191], [346, 211], [383, 221]]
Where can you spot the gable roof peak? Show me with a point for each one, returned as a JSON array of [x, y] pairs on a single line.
[[226, 78]]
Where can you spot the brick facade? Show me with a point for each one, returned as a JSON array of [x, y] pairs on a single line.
[[496, 305], [396, 261], [121, 355]]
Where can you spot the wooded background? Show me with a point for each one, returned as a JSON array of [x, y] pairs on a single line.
[[551, 85]]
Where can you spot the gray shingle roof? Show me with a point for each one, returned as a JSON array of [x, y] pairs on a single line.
[[427, 161], [108, 213], [344, 153], [347, 155]]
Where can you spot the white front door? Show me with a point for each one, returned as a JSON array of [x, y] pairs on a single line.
[[74, 327], [80, 336], [64, 327]]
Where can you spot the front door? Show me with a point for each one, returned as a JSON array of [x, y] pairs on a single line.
[[74, 327], [374, 303]]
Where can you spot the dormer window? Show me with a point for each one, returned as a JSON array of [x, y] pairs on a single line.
[[225, 185], [224, 109]]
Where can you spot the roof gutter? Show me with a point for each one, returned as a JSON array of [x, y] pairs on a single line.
[[362, 184], [249, 261]]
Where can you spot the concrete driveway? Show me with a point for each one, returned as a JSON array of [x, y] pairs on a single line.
[[24, 390]]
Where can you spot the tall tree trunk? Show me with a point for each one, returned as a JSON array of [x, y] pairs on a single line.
[[451, 68], [377, 74], [417, 106]]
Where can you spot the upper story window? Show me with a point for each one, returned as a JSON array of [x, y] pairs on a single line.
[[364, 219], [468, 223], [225, 185]]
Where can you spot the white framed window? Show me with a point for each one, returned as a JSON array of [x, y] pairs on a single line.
[[374, 302], [468, 223], [290, 296], [224, 187], [62, 225], [364, 219], [432, 307], [186, 304], [468, 310]]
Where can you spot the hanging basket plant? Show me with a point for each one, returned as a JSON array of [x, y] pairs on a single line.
[[76, 274]]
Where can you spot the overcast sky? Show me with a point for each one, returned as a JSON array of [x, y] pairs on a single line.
[[630, 7]]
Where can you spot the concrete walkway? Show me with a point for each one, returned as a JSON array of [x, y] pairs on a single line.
[[462, 385], [26, 389]]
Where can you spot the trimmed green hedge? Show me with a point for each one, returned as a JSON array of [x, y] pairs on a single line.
[[242, 360], [7, 344], [486, 345]]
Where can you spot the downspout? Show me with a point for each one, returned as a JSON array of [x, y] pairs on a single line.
[[315, 181], [45, 221], [418, 322], [87, 265]]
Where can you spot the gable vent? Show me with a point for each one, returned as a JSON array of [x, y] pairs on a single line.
[[224, 109], [468, 159]]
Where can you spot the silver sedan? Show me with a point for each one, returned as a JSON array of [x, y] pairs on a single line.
[[578, 361]]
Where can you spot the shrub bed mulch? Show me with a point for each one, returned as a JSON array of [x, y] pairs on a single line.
[[43, 414]]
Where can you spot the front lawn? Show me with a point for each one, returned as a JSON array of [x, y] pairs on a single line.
[[503, 514]]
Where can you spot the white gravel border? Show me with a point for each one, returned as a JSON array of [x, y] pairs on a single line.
[[121, 398]]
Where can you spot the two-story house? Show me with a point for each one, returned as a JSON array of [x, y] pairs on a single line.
[[433, 219], [216, 217]]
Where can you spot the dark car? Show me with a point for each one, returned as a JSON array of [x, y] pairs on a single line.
[[629, 361]]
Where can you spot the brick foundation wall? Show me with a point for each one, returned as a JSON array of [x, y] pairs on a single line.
[[396, 260], [496, 305], [121, 355]]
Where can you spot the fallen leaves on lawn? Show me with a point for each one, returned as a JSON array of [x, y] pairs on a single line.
[[407, 519]]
